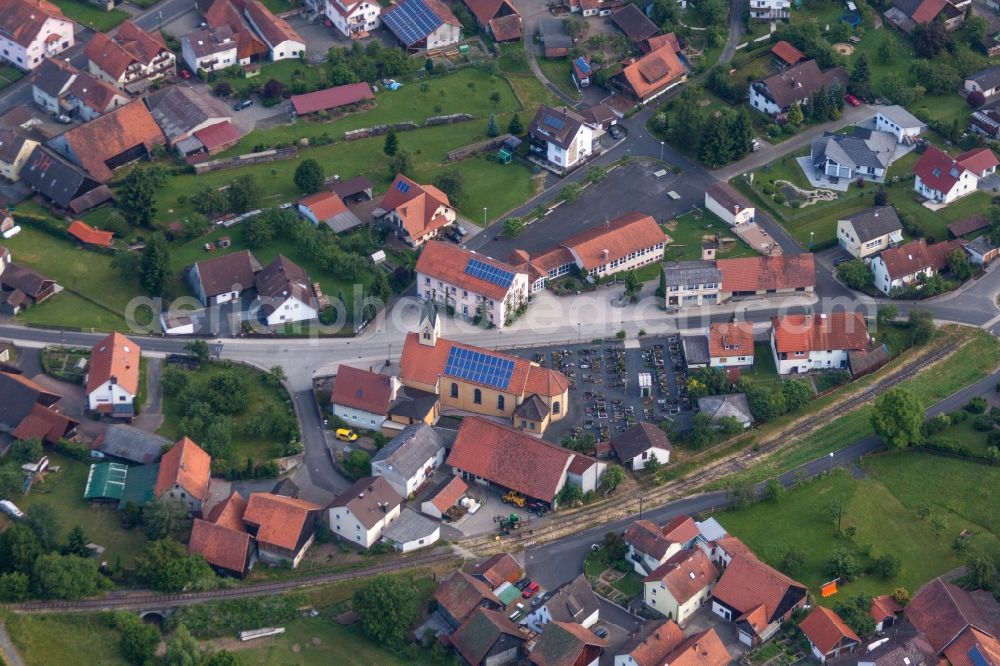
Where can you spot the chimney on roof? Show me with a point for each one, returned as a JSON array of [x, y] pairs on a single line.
[[822, 315], [605, 254]]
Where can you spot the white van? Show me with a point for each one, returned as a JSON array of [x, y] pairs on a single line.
[[11, 509]]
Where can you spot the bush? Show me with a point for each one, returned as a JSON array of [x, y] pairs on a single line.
[[983, 423], [217, 618], [976, 406], [957, 416]]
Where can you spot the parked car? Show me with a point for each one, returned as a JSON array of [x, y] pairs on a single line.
[[11, 509], [453, 236], [345, 435], [852, 100], [601, 632], [523, 583], [530, 590], [285, 205], [459, 229], [185, 74], [537, 508], [63, 119], [242, 104], [615, 132], [841, 259]]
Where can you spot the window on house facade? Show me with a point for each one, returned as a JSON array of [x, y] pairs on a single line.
[[454, 390], [477, 397], [556, 407], [500, 402]]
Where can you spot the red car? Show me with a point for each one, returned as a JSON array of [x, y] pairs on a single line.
[[185, 74], [852, 100], [530, 590]]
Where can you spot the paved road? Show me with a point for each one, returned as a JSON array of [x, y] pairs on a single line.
[[8, 653]]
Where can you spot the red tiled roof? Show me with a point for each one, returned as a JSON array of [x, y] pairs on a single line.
[[826, 630], [654, 71], [477, 635], [969, 642], [499, 569], [927, 10], [506, 28], [566, 644], [647, 537], [605, 243], [545, 382], [281, 519], [652, 650], [978, 160], [221, 546], [324, 205], [937, 170], [681, 529], [88, 234], [331, 98], [114, 356], [43, 423], [23, 20], [730, 339], [187, 465], [942, 611], [229, 512], [751, 587], [787, 271], [447, 262], [701, 649], [733, 546], [658, 41], [423, 364], [130, 44], [916, 256], [460, 594], [685, 574], [787, 53], [884, 607], [94, 93], [274, 29], [362, 389], [837, 330], [510, 458], [448, 496], [417, 207], [486, 10], [218, 135], [103, 138]]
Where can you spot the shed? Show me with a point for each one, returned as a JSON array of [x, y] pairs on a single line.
[[132, 444], [411, 531], [734, 405]]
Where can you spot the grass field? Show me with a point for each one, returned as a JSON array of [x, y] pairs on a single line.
[[529, 90], [82, 639], [101, 522], [896, 486], [263, 399], [9, 75], [90, 15], [688, 231], [559, 72]]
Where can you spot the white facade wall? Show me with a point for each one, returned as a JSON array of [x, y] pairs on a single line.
[[209, 63], [848, 239], [361, 16], [537, 620], [445, 35], [179, 494], [419, 543], [639, 462], [967, 184], [292, 310], [730, 217], [345, 525], [646, 255], [763, 104], [832, 359], [466, 302], [580, 148], [971, 86], [359, 418], [657, 596], [885, 284], [732, 361], [31, 56], [693, 295], [287, 49], [12, 170], [109, 393], [884, 124], [406, 486]]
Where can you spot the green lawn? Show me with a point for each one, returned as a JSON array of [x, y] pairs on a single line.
[[90, 15], [967, 436], [101, 522], [764, 371], [9, 75], [630, 585], [278, 6], [529, 90], [76, 638], [687, 233], [263, 399], [559, 71], [898, 483]]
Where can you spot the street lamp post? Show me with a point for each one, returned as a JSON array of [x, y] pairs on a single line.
[[159, 17], [831, 461], [811, 240], [661, 151], [484, 217], [640, 506], [579, 332]]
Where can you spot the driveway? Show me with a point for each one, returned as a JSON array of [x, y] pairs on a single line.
[[704, 619], [73, 404], [151, 415]]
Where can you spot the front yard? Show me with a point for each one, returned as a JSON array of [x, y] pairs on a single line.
[[688, 231], [91, 16], [608, 578]]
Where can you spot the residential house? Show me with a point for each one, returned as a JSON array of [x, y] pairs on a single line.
[[756, 598], [692, 283], [770, 10], [112, 381], [730, 344], [477, 381], [828, 635], [575, 602], [497, 17], [681, 585], [353, 19], [327, 208], [229, 19], [556, 41], [728, 204], [651, 645], [906, 15], [900, 267], [20, 286], [285, 293], [181, 112], [801, 343], [723, 550], [410, 458], [863, 153], [650, 545], [474, 286], [222, 538], [329, 99], [283, 527], [631, 20], [941, 178], [50, 83], [411, 531], [422, 25], [281, 39], [224, 278], [732, 405], [786, 55], [885, 611], [361, 512], [418, 212], [900, 123], [639, 444], [28, 411], [89, 97], [459, 595], [651, 75], [438, 504], [115, 139], [565, 643], [185, 475], [985, 122], [63, 184], [869, 231], [650, 44], [986, 81], [981, 251], [561, 136], [954, 623], [362, 397], [766, 276], [15, 148], [488, 638], [980, 161], [776, 94], [131, 444], [32, 30], [210, 49], [131, 60], [498, 569]]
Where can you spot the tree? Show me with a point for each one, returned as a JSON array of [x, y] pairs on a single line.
[[795, 115], [842, 564], [14, 586], [76, 543], [515, 127], [492, 129], [901, 596], [921, 324], [43, 520], [931, 39], [495, 98], [886, 52], [11, 481], [309, 176], [272, 90], [981, 571], [886, 314], [401, 163], [887, 566], [137, 639], [244, 194], [198, 349], [613, 477], [209, 201], [221, 658], [386, 607], [182, 649], [861, 72], [228, 392], [161, 518], [358, 463], [717, 146], [19, 548], [380, 288], [797, 393], [222, 89], [652, 464], [615, 548], [686, 128], [855, 613], [166, 566], [975, 99], [452, 183], [513, 226], [774, 490], [974, 30], [898, 417], [154, 265], [792, 561], [391, 144], [57, 576], [881, 197], [855, 274], [958, 264], [570, 495], [26, 451], [136, 197], [765, 405], [576, 27]]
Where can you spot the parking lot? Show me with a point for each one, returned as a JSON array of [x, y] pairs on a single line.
[[605, 397]]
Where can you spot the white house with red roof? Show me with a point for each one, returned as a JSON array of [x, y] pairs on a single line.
[[730, 344], [32, 30], [185, 475], [329, 209], [353, 19], [899, 267], [828, 634], [801, 343], [756, 598], [281, 39], [361, 512], [362, 397], [472, 285], [112, 381], [681, 585], [418, 212], [650, 545], [943, 179]]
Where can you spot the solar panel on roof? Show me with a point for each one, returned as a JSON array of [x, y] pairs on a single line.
[[488, 272], [402, 186], [411, 21], [554, 122], [479, 367]]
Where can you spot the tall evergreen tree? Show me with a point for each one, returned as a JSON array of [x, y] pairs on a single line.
[[741, 129], [135, 197], [491, 126], [717, 144], [309, 176], [516, 127], [861, 73], [686, 129], [154, 267], [391, 144]]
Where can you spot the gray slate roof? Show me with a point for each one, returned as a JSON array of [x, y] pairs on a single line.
[[554, 35], [128, 443], [680, 273], [874, 222], [980, 245], [410, 526], [638, 438], [696, 349], [573, 602], [52, 76], [410, 449], [901, 116], [986, 78], [863, 148], [179, 109], [732, 404], [533, 409]]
